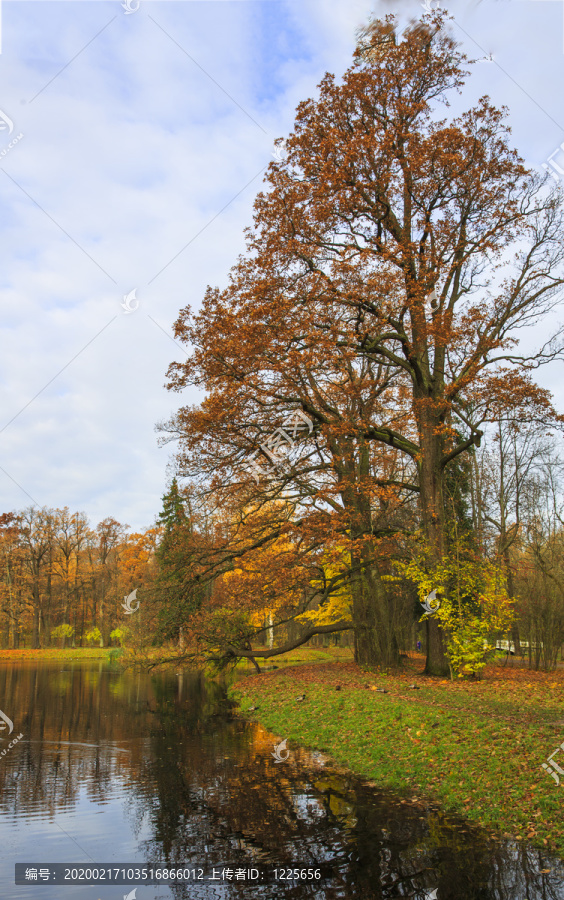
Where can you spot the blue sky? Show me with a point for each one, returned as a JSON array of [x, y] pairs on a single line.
[[145, 137]]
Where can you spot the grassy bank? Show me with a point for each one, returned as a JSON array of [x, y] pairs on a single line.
[[54, 653], [476, 747], [299, 657]]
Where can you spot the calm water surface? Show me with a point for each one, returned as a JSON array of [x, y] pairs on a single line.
[[125, 768]]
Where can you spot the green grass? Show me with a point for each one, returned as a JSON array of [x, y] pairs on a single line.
[[56, 653], [299, 657], [477, 748]]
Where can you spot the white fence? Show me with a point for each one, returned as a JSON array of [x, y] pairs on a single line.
[[509, 645]]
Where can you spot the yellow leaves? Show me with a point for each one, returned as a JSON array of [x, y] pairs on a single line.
[[232, 574], [338, 607], [474, 602], [266, 578]]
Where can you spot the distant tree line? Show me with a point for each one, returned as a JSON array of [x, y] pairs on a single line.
[[62, 582]]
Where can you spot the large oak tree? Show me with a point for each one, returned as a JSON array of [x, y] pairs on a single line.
[[392, 239]]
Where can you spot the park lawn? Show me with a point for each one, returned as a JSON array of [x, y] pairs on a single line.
[[477, 747], [301, 656], [56, 653]]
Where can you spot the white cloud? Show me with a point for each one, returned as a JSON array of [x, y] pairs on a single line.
[[133, 151]]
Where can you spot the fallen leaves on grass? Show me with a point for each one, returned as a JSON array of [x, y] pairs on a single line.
[[504, 728]]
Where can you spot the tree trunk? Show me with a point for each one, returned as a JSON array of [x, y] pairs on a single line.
[[47, 631], [102, 625], [433, 515], [366, 651], [511, 591], [435, 649], [270, 631], [35, 633], [16, 622], [375, 642]]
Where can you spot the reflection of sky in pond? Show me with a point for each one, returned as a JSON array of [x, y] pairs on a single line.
[[309, 810]]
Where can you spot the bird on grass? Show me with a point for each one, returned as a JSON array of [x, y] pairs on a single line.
[[300, 698], [414, 687], [252, 708]]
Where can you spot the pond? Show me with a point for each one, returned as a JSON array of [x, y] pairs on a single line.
[[118, 770]]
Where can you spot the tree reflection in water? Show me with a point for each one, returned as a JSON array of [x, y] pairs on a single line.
[[200, 788]]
